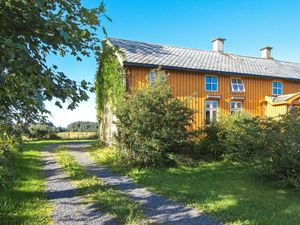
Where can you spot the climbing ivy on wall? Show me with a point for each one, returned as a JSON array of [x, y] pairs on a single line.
[[109, 84]]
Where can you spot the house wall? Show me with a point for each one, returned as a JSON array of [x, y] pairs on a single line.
[[186, 84], [275, 110]]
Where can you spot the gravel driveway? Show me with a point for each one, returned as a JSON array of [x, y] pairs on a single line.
[[68, 207], [157, 208]]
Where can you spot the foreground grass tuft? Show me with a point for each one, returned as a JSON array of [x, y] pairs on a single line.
[[108, 199], [24, 200], [232, 193]]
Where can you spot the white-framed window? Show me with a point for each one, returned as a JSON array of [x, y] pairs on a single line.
[[211, 111], [277, 88], [211, 83], [237, 85], [236, 107]]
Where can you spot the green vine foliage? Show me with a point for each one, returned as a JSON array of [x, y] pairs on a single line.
[[109, 86]]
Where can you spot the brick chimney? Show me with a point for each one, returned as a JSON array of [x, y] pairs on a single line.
[[218, 44], [266, 52]]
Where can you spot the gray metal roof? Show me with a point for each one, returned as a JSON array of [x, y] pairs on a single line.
[[169, 57]]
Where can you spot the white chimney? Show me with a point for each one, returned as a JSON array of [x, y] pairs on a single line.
[[218, 44], [266, 52]]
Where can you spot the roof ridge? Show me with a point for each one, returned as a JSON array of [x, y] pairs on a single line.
[[197, 49]]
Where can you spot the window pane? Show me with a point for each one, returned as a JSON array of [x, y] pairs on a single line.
[[207, 116], [241, 87], [152, 76], [215, 105], [239, 81], [275, 91], [233, 81], [239, 105], [274, 84], [208, 79], [214, 87], [235, 87], [207, 104], [232, 105], [208, 87], [279, 84], [214, 80], [279, 91], [214, 116]]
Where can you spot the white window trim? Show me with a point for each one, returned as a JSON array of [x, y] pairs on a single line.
[[231, 84], [277, 88], [217, 83], [211, 109], [236, 109]]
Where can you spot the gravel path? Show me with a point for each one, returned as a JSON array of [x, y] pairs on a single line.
[[157, 208], [68, 207]]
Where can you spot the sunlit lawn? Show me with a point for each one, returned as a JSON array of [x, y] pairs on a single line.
[[24, 202], [233, 194]]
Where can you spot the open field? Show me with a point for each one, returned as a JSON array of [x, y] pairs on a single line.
[[232, 193], [77, 135]]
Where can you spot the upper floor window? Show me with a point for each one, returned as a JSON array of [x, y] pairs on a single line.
[[277, 88], [152, 77], [211, 83], [236, 107], [237, 85]]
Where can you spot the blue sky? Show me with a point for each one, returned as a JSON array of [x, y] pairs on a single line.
[[248, 25]]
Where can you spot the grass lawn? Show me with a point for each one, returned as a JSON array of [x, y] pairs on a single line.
[[232, 193], [106, 198], [24, 201]]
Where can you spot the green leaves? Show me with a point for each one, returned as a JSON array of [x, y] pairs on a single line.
[[152, 124], [31, 31], [109, 84]]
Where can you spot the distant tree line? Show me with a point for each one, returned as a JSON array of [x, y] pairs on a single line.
[[48, 130], [83, 126]]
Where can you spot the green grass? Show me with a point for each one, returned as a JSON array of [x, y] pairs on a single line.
[[231, 193], [24, 201], [106, 198]]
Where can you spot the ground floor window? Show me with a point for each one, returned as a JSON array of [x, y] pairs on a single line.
[[236, 107], [211, 111]]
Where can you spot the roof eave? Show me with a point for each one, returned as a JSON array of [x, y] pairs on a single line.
[[126, 63]]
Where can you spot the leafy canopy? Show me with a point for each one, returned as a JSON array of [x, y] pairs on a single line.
[[31, 30], [152, 124]]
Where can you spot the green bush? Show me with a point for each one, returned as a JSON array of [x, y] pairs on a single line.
[[152, 124], [272, 142], [234, 137], [281, 154], [240, 137], [42, 131], [206, 143]]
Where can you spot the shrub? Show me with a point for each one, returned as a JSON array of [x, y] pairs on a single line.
[[281, 154], [42, 131], [152, 124], [206, 144], [240, 137], [234, 137]]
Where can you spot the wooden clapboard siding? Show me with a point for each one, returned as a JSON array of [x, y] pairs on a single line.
[[185, 84]]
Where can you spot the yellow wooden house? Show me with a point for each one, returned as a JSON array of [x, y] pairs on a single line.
[[223, 82]]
